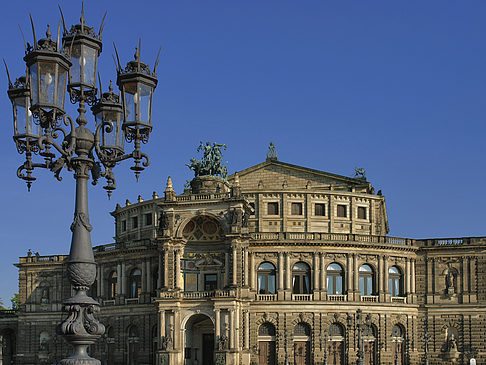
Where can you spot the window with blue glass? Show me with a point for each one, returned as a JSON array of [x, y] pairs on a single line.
[[335, 279]]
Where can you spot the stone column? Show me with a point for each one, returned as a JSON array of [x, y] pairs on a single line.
[[217, 324], [98, 279], [159, 272], [280, 269], [176, 335], [166, 268], [247, 329], [118, 279], [251, 271], [246, 267], [232, 329], [407, 277], [226, 269], [237, 327], [235, 265], [288, 272], [464, 275], [161, 326], [124, 279], [349, 271], [385, 272], [102, 282], [356, 276], [412, 271], [316, 271], [323, 277], [149, 276], [379, 277], [177, 254], [144, 276]]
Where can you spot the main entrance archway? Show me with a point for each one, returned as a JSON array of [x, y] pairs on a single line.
[[199, 340]]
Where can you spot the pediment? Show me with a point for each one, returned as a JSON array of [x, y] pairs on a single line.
[[274, 174]]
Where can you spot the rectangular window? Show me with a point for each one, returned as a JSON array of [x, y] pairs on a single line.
[[362, 212], [320, 209], [252, 205], [210, 282], [296, 209], [123, 226], [148, 219], [134, 222], [272, 208], [342, 211]]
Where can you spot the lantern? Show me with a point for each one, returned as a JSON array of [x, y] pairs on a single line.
[[24, 126], [137, 84], [48, 70], [109, 110], [84, 47]]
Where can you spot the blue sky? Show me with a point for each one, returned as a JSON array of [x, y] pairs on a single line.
[[398, 88]]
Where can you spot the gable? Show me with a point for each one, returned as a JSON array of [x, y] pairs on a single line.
[[278, 175]]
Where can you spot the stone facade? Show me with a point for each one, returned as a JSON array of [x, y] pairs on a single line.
[[269, 267]]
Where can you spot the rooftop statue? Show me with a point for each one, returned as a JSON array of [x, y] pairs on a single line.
[[212, 162], [360, 172], [272, 152]]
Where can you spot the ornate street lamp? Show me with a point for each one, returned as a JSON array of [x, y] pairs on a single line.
[[361, 326], [39, 129]]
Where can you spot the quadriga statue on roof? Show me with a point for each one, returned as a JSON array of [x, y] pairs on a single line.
[[212, 162]]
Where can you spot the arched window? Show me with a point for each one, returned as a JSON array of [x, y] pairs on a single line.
[[111, 288], [132, 345], [398, 337], [135, 284], [335, 279], [301, 278], [335, 344], [266, 329], [395, 281], [369, 344], [109, 358], [266, 278], [266, 344], [366, 280], [302, 341]]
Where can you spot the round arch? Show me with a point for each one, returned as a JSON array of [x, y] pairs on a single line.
[[199, 339]]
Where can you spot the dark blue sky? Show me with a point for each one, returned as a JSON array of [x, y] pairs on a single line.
[[398, 88]]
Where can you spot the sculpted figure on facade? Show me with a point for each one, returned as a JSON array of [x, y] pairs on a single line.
[[212, 163]]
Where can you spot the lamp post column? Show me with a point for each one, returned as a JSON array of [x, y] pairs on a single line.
[[81, 328]]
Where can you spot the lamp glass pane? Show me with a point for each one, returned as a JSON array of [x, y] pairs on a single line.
[[88, 60], [131, 101], [145, 103], [47, 92], [24, 119], [75, 72], [115, 138], [33, 83], [61, 87]]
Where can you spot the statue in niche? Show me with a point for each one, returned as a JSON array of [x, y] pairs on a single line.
[[45, 295], [244, 222], [163, 221], [452, 346], [449, 279], [222, 342], [236, 217]]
